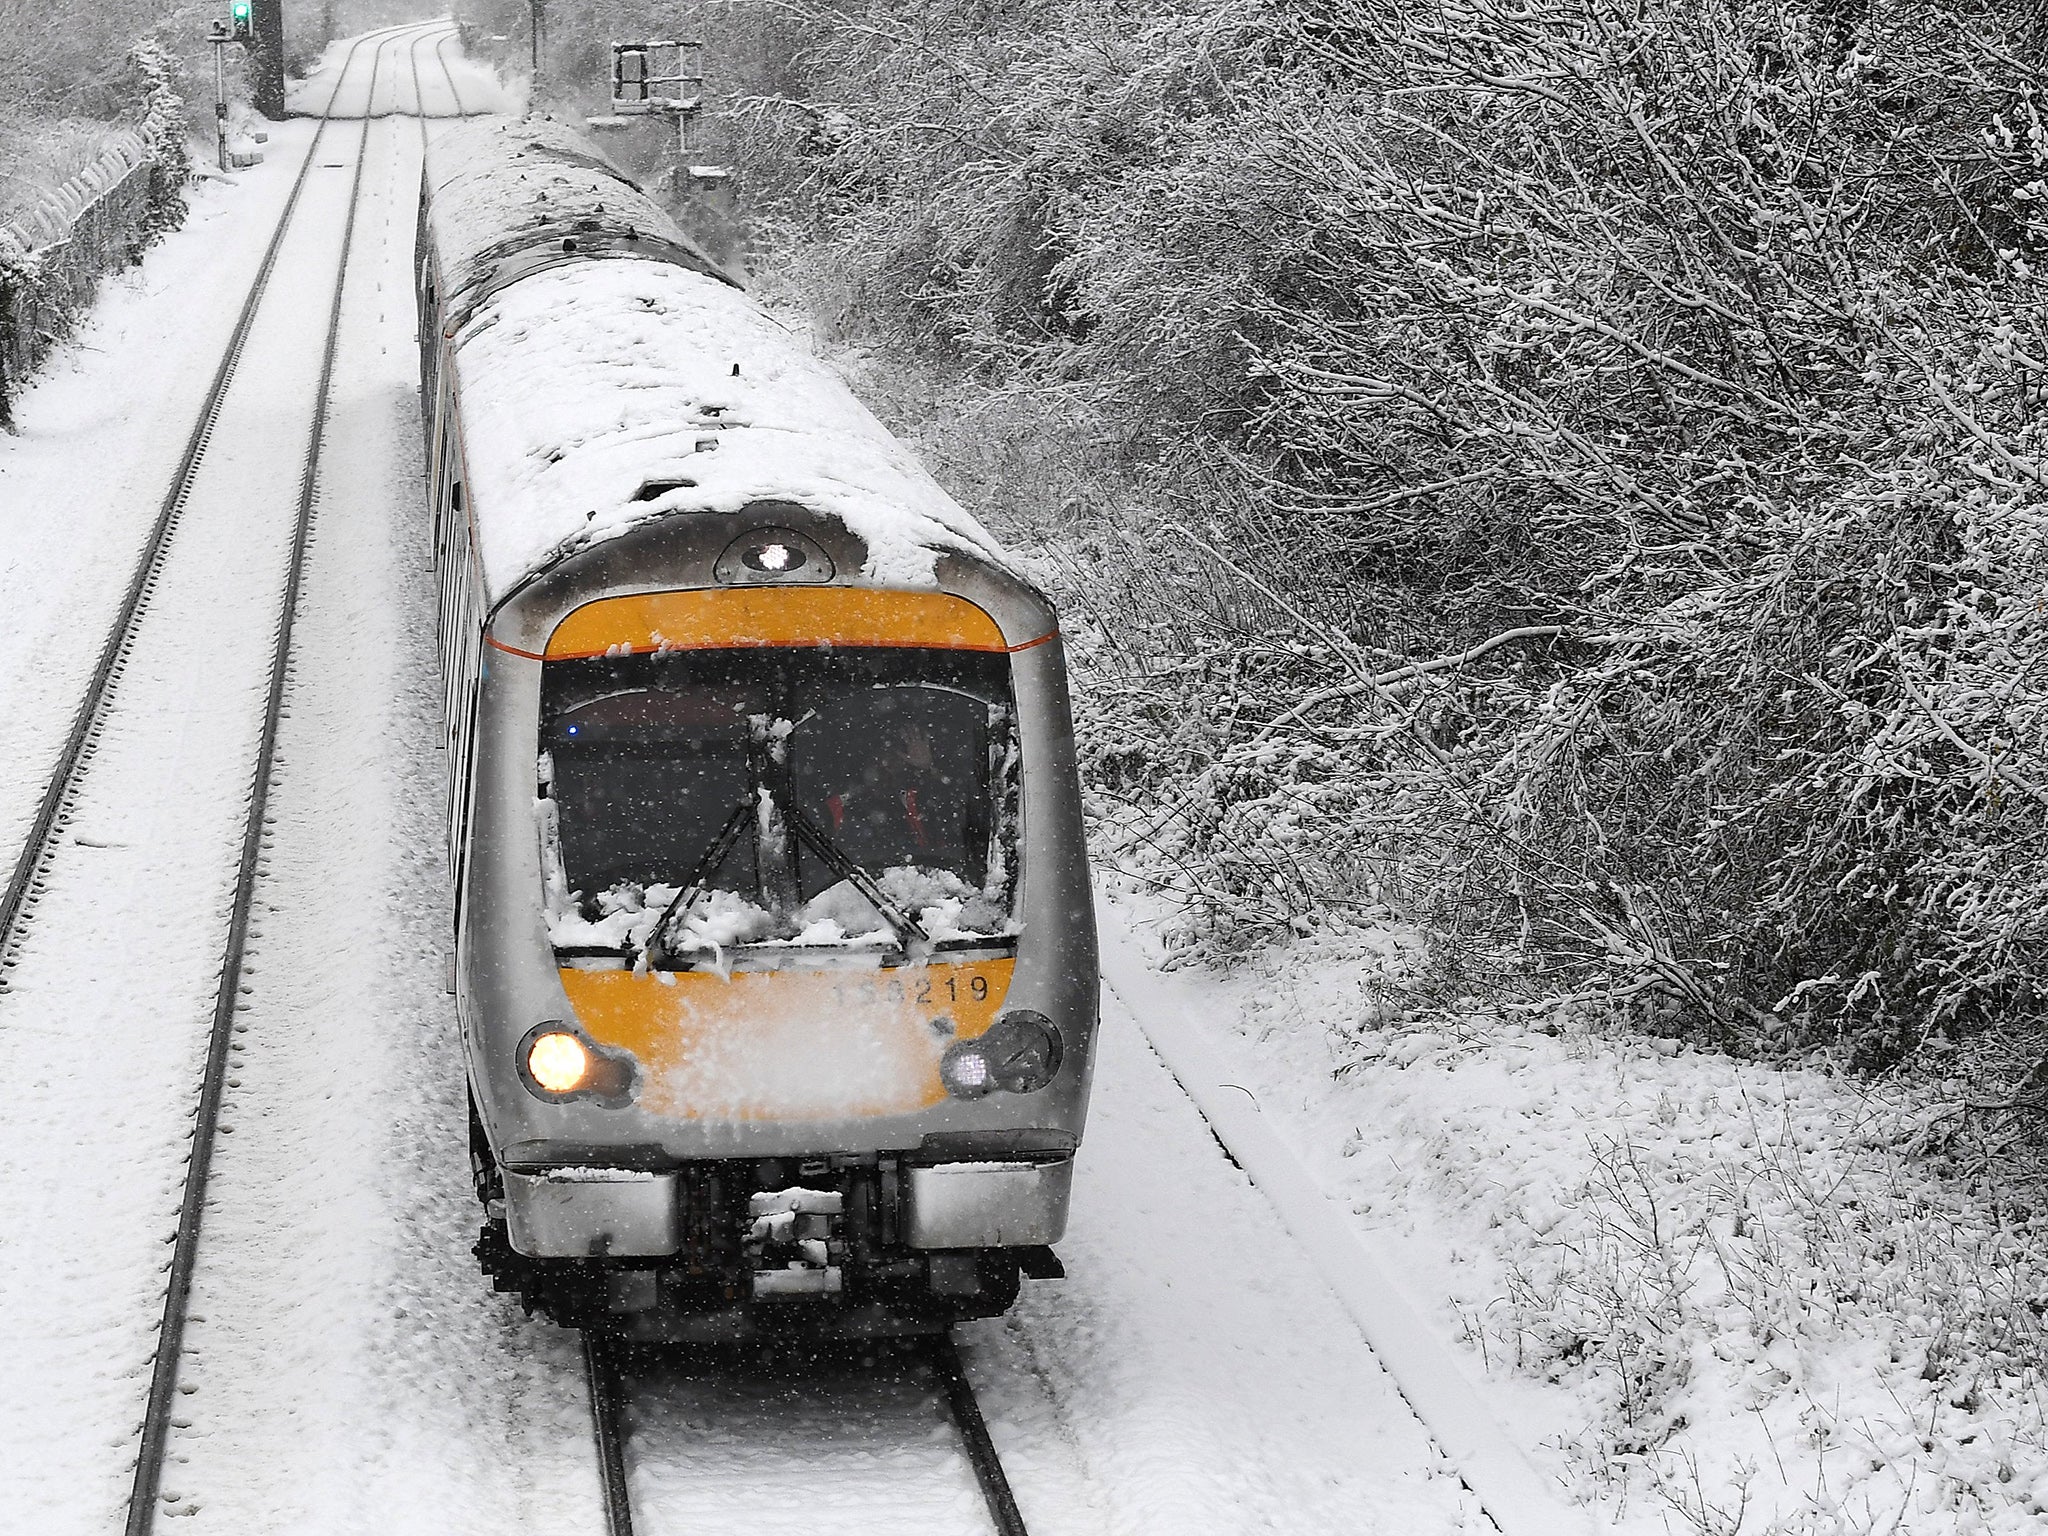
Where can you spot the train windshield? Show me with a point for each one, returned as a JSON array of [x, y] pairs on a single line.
[[699, 802]]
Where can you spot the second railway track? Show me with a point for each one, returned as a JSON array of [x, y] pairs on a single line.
[[130, 903], [26, 878], [156, 1425]]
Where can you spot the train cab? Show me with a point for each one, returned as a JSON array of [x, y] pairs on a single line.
[[775, 946]]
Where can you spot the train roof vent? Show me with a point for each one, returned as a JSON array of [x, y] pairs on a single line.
[[654, 490]]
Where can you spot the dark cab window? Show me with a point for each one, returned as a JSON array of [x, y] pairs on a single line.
[[772, 795]]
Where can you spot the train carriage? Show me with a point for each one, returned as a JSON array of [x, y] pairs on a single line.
[[775, 955]]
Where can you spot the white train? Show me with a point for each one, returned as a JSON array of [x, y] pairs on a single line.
[[776, 959]]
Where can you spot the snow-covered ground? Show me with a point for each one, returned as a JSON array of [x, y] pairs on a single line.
[[114, 978], [100, 429], [1708, 1295], [1696, 1295]]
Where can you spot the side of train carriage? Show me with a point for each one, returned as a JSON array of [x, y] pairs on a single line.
[[775, 948]]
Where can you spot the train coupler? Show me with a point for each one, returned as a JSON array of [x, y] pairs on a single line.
[[796, 1242]]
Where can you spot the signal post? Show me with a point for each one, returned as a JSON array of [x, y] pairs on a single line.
[[666, 79], [220, 34]]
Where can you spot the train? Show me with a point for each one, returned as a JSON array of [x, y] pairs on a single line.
[[774, 950]]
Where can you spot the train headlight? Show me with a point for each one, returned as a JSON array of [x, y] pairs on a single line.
[[558, 1063], [769, 554], [965, 1071], [1019, 1053], [774, 557]]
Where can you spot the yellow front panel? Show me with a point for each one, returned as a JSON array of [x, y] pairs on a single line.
[[755, 616], [789, 1045]]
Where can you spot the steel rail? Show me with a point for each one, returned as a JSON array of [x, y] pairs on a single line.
[[53, 811], [419, 102], [156, 1425], [974, 1437], [448, 74], [601, 1371]]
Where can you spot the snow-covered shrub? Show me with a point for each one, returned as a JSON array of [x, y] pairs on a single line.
[[60, 61], [1582, 459], [163, 131], [1702, 346], [1756, 1294]]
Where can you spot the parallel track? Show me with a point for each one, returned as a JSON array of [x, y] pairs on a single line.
[[156, 1426], [453, 89], [606, 1391], [607, 1401], [447, 73], [53, 811]]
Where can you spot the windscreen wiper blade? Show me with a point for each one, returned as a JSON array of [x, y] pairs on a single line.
[[735, 826], [910, 933]]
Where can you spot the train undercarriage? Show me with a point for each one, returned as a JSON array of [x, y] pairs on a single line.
[[770, 1248]]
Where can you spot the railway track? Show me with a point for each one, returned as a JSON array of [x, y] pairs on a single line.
[[609, 1394], [60, 802], [419, 101], [26, 880], [156, 1426]]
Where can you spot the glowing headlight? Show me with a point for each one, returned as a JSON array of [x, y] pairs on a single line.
[[559, 1062], [773, 558], [772, 554], [1019, 1053], [965, 1070]]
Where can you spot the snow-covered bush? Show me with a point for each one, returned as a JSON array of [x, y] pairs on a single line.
[[1710, 339], [1582, 459], [1767, 1310], [163, 131]]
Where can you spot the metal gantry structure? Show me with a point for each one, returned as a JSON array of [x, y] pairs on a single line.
[[665, 78]]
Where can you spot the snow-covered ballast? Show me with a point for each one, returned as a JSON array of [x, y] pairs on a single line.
[[775, 947]]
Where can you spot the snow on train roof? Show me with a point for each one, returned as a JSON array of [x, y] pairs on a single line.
[[503, 182], [584, 383]]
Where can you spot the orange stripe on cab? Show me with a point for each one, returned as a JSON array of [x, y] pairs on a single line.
[[790, 1044], [729, 617]]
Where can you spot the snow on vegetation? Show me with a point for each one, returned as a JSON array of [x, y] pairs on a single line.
[[1572, 468], [1566, 477], [1757, 1306]]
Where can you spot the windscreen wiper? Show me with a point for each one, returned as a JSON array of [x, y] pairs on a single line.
[[910, 933], [735, 826]]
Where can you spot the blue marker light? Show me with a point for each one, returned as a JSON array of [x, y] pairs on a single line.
[[574, 729]]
